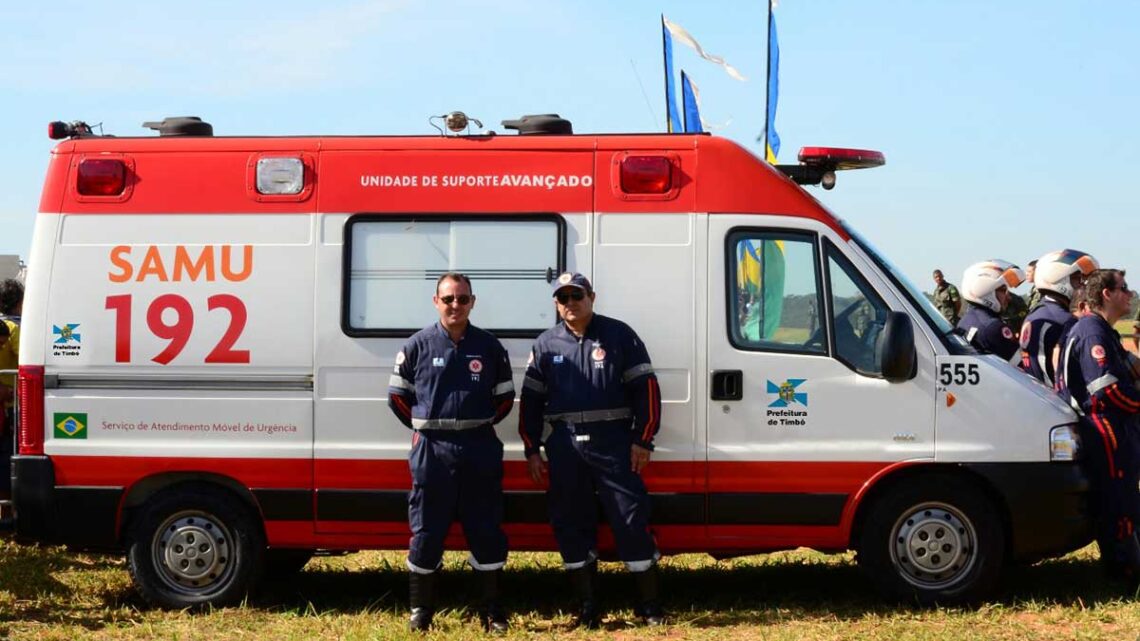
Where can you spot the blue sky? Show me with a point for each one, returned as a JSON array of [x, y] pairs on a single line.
[[1009, 127]]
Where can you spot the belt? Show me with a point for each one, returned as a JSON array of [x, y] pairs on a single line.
[[449, 423], [589, 416]]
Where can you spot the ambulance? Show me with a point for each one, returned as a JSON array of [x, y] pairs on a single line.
[[210, 324]]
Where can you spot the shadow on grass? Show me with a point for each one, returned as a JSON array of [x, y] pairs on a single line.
[[708, 596], [705, 597]]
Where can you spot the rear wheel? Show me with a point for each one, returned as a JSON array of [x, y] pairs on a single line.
[[933, 540], [195, 546]]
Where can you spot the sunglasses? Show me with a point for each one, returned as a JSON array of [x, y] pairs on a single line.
[[462, 299], [566, 297]]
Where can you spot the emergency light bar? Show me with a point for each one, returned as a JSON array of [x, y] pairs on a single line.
[[819, 164]]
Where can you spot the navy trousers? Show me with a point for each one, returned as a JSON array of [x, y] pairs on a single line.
[[594, 461], [1111, 458], [456, 475]]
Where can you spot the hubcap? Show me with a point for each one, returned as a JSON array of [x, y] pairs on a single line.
[[193, 552], [933, 545]]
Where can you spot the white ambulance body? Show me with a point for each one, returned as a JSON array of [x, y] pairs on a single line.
[[210, 325]]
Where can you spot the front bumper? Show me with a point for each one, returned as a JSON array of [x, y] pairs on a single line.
[[1047, 505]]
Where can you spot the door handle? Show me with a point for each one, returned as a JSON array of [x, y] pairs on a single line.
[[727, 385]]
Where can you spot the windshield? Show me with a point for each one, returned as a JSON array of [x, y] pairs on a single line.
[[916, 296]]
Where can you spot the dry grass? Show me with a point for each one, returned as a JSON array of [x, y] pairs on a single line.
[[49, 593]]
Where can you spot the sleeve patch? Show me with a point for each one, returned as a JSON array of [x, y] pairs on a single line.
[[1097, 352], [400, 358], [1007, 333]]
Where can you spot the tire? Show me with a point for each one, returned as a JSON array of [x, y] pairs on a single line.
[[284, 563], [193, 547], [933, 540]]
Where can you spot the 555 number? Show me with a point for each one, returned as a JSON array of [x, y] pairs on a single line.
[[178, 332], [959, 374]]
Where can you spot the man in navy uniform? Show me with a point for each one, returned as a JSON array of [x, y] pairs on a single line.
[[451, 385], [1098, 384], [985, 287], [590, 378], [1057, 277]]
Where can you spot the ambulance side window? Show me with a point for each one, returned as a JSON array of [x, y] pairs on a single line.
[[857, 315], [774, 292], [391, 265]]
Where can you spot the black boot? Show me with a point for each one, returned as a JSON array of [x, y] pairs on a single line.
[[491, 612], [584, 580], [649, 605], [421, 596]]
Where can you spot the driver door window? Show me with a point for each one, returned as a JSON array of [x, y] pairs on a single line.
[[774, 292], [858, 315]]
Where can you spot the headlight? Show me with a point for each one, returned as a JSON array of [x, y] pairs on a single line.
[[1064, 443]]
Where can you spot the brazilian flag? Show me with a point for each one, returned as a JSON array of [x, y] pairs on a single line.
[[760, 276]]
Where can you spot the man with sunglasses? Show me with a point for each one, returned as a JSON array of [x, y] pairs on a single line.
[[590, 377], [1098, 384], [452, 383]]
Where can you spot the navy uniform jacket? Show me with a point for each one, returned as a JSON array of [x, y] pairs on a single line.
[[1096, 376], [1039, 335], [440, 385], [987, 332], [603, 376]]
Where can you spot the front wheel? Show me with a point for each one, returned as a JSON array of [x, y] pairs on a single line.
[[934, 540], [195, 546]]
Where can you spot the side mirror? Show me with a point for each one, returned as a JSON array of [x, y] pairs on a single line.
[[896, 348]]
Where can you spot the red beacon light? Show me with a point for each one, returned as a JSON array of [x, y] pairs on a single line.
[[819, 164], [59, 130], [646, 175]]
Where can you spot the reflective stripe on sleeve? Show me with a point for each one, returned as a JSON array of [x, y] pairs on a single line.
[[635, 371], [1097, 385], [503, 388], [399, 382], [533, 385]]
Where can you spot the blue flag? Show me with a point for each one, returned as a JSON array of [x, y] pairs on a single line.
[[689, 105], [672, 117], [773, 139]]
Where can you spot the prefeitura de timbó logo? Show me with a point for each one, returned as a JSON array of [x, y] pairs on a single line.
[[787, 400], [70, 425], [67, 340]]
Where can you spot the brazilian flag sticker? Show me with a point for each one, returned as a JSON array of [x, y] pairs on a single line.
[[73, 425]]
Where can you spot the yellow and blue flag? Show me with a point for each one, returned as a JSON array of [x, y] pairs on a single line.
[[690, 105], [771, 137], [760, 273]]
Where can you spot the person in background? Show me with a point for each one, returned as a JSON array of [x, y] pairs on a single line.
[[986, 288], [11, 308], [1057, 276], [947, 299], [1034, 296]]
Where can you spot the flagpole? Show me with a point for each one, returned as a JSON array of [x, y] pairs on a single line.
[[665, 66], [767, 76]]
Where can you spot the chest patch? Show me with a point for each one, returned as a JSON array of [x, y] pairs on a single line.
[[475, 365], [437, 361], [1007, 333], [598, 354], [558, 358]]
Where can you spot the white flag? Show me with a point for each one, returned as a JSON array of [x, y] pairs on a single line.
[[683, 36]]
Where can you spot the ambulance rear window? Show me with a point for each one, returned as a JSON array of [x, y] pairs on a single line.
[[392, 264]]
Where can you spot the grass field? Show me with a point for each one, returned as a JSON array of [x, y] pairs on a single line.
[[49, 593]]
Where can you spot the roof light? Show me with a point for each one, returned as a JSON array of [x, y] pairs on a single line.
[[646, 175], [101, 177], [840, 158], [280, 176]]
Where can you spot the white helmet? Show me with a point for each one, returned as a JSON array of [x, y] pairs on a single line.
[[1055, 268], [982, 280]]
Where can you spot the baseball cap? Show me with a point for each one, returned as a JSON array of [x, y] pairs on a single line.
[[572, 279]]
